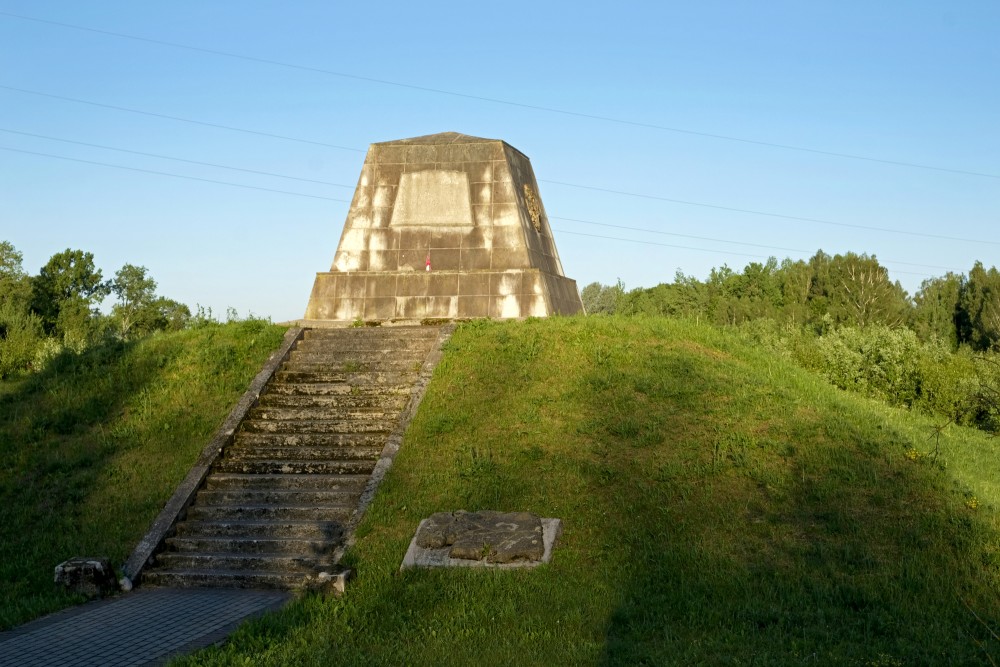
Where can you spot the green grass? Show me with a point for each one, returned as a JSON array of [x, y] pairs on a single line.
[[721, 506], [94, 446]]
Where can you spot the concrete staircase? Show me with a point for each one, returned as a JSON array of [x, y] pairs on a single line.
[[274, 507]]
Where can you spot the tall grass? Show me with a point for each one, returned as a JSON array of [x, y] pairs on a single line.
[[721, 506], [94, 446]]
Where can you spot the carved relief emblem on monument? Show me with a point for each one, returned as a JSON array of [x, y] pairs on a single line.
[[534, 210]]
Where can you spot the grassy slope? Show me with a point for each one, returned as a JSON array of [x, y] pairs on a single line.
[[721, 507], [94, 447]]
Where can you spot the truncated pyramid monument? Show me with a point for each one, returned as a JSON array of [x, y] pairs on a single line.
[[444, 226]]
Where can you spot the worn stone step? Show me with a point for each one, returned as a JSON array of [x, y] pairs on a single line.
[[330, 531], [268, 513], [322, 412], [331, 354], [302, 453], [359, 467], [409, 332], [278, 497], [227, 579], [299, 387], [339, 367], [346, 401], [244, 439], [335, 346], [320, 375], [247, 545], [380, 425], [223, 560], [235, 481]]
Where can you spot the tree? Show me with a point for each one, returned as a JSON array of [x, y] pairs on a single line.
[[15, 286], [20, 330], [136, 293], [602, 299], [66, 291], [936, 309], [860, 292], [795, 281], [979, 308]]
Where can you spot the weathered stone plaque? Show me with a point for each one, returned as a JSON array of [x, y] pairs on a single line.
[[444, 226], [485, 538]]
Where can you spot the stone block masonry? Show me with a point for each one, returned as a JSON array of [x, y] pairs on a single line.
[[444, 226]]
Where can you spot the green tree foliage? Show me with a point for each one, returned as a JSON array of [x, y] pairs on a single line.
[[20, 330], [879, 361], [136, 293], [65, 294], [857, 291], [15, 286], [601, 299], [936, 309], [978, 320]]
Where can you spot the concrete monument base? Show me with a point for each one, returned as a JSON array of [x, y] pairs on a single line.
[[444, 226]]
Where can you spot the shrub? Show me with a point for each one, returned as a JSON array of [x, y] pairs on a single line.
[[878, 361], [20, 337]]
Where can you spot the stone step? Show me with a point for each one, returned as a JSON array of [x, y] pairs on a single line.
[[343, 367], [323, 375], [313, 413], [295, 386], [229, 561], [329, 531], [380, 425], [329, 483], [278, 497], [389, 402], [337, 355], [413, 333], [229, 513], [247, 440], [227, 579], [310, 345], [249, 545], [302, 453], [296, 467]]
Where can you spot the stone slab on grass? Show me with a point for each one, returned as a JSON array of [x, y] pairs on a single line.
[[485, 539]]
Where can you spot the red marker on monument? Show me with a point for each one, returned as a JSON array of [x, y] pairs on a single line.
[[428, 261]]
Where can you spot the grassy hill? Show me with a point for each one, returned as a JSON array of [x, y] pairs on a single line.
[[94, 446], [721, 506]]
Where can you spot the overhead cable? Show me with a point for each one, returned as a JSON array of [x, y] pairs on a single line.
[[494, 100]]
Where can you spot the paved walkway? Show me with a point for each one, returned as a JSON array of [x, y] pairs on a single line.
[[145, 627]]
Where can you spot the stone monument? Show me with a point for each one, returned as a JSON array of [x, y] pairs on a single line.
[[444, 226]]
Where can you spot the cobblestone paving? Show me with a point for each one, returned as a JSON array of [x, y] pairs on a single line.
[[142, 628]]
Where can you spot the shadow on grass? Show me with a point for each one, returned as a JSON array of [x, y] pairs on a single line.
[[54, 447], [776, 539], [94, 444]]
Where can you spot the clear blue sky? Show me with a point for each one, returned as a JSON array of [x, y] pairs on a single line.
[[913, 82]]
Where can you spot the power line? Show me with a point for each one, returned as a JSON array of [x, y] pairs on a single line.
[[165, 173], [561, 231], [708, 250], [773, 215], [574, 185], [494, 100], [624, 193], [685, 202], [639, 195], [740, 243], [178, 118], [176, 159]]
